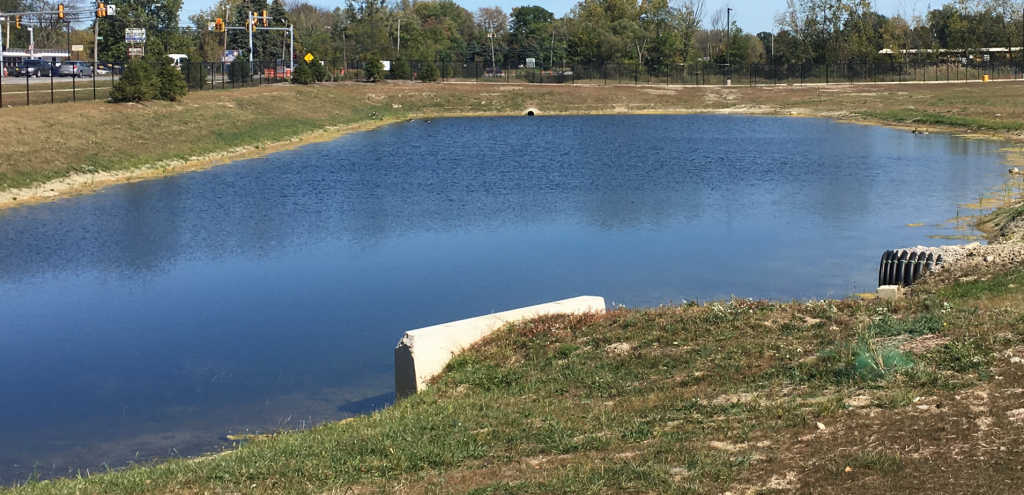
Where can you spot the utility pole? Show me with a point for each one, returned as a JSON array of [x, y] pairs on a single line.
[[31, 43], [728, 45], [551, 59], [399, 55], [373, 38], [490, 35]]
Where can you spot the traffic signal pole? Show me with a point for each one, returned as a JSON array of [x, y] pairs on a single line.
[[250, 27]]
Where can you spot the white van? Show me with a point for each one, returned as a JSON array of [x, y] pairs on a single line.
[[179, 59]]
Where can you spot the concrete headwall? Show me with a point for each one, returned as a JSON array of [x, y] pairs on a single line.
[[423, 353]]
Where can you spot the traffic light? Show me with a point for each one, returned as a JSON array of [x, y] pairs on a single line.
[[101, 10], [219, 25], [60, 11], [17, 21], [265, 22]]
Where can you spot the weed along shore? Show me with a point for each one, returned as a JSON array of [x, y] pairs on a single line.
[[919, 393], [95, 144]]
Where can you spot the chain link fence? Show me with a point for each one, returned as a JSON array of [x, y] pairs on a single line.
[[205, 76]]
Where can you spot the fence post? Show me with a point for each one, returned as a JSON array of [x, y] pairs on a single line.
[[74, 88], [51, 84]]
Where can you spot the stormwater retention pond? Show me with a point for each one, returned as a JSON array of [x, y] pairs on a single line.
[[152, 319]]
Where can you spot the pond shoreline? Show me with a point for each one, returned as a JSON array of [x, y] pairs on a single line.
[[687, 372], [78, 183]]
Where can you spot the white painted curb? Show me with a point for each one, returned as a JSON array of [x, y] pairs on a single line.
[[423, 353]]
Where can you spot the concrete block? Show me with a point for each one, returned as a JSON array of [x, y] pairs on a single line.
[[888, 291], [423, 353]]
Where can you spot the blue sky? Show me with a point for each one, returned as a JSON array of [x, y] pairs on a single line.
[[752, 15]]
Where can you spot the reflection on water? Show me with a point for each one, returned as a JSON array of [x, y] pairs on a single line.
[[154, 318]]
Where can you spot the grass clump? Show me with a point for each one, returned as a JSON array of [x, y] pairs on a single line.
[[918, 117], [889, 326]]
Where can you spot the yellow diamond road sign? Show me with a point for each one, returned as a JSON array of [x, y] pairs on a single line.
[[308, 58]]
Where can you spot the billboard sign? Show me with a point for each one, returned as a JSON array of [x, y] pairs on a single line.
[[135, 35]]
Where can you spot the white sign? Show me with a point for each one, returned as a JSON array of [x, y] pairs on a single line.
[[136, 51], [211, 26], [111, 10], [134, 35], [78, 48], [387, 64], [531, 63]]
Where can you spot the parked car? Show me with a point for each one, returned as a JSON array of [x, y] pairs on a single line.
[[106, 69], [33, 68], [75, 69]]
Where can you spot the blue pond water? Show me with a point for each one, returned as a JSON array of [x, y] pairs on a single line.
[[153, 318]]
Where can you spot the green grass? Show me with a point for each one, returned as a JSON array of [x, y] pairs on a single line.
[[991, 286], [918, 117], [683, 412]]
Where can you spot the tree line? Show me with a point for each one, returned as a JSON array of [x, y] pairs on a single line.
[[658, 34]]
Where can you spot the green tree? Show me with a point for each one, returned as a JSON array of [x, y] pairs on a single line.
[[428, 72], [374, 67], [529, 31], [303, 74], [400, 69], [158, 17], [137, 83], [170, 84], [319, 71]]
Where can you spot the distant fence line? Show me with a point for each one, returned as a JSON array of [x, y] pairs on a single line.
[[203, 76]]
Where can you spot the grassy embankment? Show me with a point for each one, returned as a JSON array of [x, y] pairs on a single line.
[[923, 394], [919, 395]]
